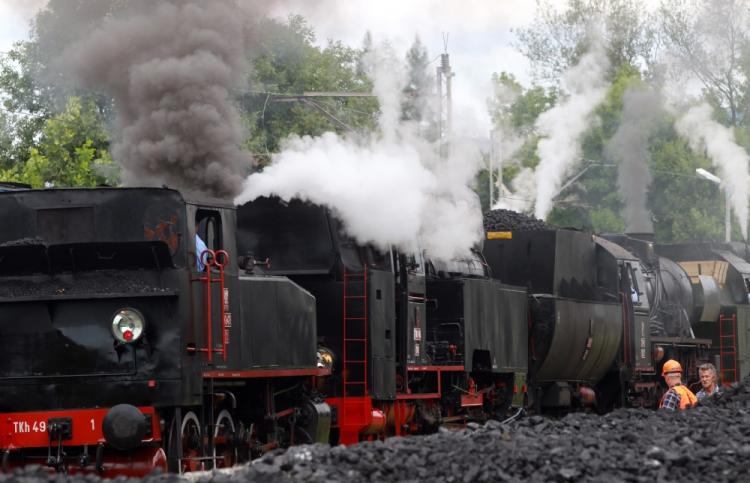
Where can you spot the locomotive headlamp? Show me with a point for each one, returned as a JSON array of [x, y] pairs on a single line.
[[127, 325], [325, 358]]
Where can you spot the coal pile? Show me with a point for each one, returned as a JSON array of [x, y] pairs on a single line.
[[105, 282], [507, 220], [707, 443]]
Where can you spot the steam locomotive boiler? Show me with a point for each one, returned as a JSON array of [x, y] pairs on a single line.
[[576, 310], [607, 312], [124, 348]]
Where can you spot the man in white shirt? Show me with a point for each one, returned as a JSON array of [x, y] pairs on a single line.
[[709, 381]]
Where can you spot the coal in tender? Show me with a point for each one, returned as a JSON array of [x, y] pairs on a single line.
[[707, 443], [507, 220]]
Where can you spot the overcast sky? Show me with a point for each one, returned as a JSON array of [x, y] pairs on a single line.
[[479, 36]]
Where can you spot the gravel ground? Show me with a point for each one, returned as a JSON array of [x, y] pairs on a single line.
[[507, 220], [710, 442]]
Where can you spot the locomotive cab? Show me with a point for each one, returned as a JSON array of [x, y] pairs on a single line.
[[480, 323], [354, 288]]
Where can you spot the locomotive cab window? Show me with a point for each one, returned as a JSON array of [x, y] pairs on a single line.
[[415, 263], [207, 235], [635, 291]]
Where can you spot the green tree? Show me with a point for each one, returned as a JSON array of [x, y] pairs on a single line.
[[72, 151], [593, 202], [417, 93], [367, 45], [34, 78], [558, 37], [684, 207], [25, 105], [710, 41], [514, 111], [289, 64]]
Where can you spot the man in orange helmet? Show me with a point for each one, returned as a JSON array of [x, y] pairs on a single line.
[[677, 396]]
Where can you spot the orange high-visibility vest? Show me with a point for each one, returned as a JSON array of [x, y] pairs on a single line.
[[687, 398]]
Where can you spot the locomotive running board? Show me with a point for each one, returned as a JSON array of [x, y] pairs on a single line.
[[259, 373]]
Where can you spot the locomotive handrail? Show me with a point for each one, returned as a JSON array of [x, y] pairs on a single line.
[[212, 258], [218, 259]]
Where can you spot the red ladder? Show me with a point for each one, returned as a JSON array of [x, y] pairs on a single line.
[[354, 335], [728, 348], [215, 259]]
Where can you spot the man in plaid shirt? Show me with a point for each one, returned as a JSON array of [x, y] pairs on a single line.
[[677, 396], [670, 401]]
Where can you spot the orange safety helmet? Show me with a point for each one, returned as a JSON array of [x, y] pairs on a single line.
[[671, 366]]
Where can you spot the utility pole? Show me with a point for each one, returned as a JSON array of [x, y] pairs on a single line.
[[492, 166], [445, 107], [496, 158]]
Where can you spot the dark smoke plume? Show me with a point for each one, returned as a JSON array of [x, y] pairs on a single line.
[[629, 148], [170, 67]]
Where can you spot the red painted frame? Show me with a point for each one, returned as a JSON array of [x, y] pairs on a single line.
[[24, 429], [354, 416], [431, 395]]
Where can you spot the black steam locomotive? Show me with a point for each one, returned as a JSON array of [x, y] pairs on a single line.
[[121, 353], [127, 345], [410, 344]]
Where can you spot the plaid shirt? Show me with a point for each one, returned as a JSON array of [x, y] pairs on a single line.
[[701, 395], [671, 401]]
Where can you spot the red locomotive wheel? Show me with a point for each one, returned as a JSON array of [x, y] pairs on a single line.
[[192, 442], [225, 449]]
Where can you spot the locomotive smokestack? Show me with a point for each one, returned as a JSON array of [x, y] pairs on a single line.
[[170, 68]]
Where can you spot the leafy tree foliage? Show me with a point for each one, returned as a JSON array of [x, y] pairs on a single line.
[[33, 79], [710, 41], [683, 206], [72, 151], [558, 37], [24, 105], [593, 202], [514, 111], [417, 93], [289, 64]]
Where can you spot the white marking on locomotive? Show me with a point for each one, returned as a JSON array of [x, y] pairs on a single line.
[[27, 427]]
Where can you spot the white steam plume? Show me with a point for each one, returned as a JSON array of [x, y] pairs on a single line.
[[641, 112], [388, 190], [731, 161], [562, 126], [524, 192]]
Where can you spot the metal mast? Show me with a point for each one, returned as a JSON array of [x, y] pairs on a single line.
[[496, 163], [445, 115]]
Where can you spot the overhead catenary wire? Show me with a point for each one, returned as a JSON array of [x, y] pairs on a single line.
[[580, 174], [20, 113]]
